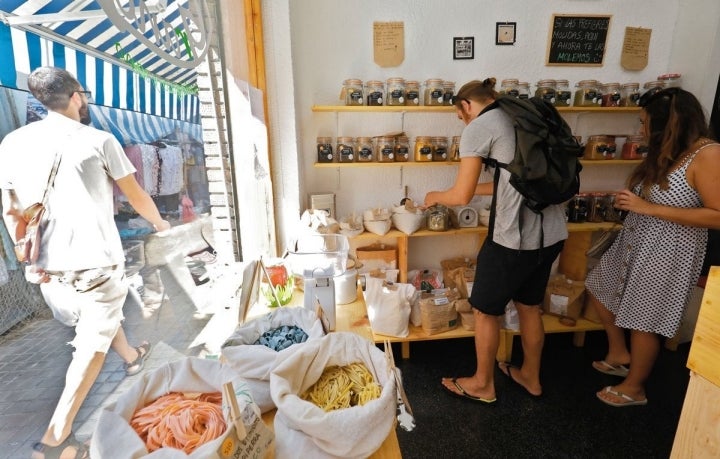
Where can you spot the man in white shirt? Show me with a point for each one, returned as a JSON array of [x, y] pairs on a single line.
[[80, 267]]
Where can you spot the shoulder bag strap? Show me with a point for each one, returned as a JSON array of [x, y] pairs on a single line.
[[51, 179]]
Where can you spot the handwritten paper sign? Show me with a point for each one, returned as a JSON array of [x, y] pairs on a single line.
[[577, 39], [635, 50], [389, 43]]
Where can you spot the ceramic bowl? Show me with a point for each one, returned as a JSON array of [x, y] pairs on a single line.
[[408, 222], [379, 227]]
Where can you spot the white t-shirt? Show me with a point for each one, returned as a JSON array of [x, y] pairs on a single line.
[[492, 135], [79, 231]]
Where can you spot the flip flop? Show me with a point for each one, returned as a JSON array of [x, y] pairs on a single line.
[[609, 369], [513, 380], [627, 400], [461, 393], [82, 451]]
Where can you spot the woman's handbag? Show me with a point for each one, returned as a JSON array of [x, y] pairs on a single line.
[[606, 239], [27, 247]]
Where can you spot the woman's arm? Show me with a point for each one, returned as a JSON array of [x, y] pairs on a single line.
[[703, 175], [465, 186]]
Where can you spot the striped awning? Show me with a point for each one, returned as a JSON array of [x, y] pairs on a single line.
[[119, 70]]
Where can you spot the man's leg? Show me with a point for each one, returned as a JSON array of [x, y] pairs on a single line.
[[532, 338], [487, 340]]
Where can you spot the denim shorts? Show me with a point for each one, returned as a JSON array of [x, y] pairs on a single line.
[[504, 274]]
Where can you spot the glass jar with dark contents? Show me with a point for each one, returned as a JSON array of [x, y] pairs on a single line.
[[509, 87], [395, 91], [364, 149], [578, 208], [455, 149], [385, 149], [440, 148], [374, 92], [635, 147], [325, 150], [402, 149], [448, 92], [596, 207], [345, 150], [629, 94], [546, 91], [352, 92], [412, 92], [563, 95], [610, 95]]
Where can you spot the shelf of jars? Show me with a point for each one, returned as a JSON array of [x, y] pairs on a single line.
[[451, 109], [584, 162]]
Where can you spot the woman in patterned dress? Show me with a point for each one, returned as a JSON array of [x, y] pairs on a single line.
[[644, 280]]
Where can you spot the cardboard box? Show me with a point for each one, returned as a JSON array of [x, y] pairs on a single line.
[[564, 297]]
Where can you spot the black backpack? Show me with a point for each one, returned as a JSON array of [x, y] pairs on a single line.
[[546, 167]]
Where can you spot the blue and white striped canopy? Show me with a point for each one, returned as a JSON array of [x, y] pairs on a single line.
[[88, 51]]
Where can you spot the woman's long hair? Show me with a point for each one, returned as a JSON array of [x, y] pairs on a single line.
[[675, 121]]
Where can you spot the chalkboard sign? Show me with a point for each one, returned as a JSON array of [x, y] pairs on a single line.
[[577, 39]]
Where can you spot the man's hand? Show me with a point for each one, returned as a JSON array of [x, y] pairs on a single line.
[[36, 275]]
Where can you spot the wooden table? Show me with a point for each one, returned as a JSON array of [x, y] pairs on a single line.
[[390, 449], [353, 317]]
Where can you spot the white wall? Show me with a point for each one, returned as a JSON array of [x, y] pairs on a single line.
[[331, 40]]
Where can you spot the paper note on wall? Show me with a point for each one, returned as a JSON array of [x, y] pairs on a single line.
[[389, 43], [635, 50]]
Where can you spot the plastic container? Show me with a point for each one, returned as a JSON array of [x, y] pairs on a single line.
[[423, 149], [434, 93], [326, 252], [352, 92], [325, 150]]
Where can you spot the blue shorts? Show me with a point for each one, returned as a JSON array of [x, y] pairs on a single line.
[[504, 274]]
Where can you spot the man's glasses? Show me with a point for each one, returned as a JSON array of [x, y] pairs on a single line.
[[88, 95]]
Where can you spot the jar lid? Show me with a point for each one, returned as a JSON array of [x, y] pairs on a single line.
[[423, 138], [401, 139], [524, 84], [509, 81], [586, 83], [395, 80], [456, 138], [374, 83], [669, 76], [345, 140], [324, 139], [635, 138], [631, 85], [565, 82], [364, 139], [448, 83], [654, 84], [352, 82], [546, 83], [600, 138], [610, 86], [439, 139], [386, 138], [412, 83], [433, 81]]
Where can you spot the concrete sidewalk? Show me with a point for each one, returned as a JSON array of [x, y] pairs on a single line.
[[35, 356]]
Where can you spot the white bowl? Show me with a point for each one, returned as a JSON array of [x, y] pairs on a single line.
[[407, 222], [379, 227], [376, 214]]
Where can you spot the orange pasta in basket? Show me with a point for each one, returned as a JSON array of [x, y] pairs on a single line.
[[181, 421]]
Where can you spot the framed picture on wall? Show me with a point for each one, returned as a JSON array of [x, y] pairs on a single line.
[[464, 48], [505, 33]]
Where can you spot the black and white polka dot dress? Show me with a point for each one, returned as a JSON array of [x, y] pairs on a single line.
[[646, 277]]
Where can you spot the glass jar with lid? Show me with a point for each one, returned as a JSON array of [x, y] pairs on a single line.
[[440, 148], [352, 92], [635, 147], [345, 149], [455, 149], [563, 95], [423, 149], [448, 92], [364, 147], [610, 95], [385, 149], [395, 91], [596, 207], [671, 80], [509, 87], [586, 94], [402, 149], [578, 208], [629, 94], [325, 150], [599, 147], [434, 93], [523, 89], [412, 92], [374, 92], [652, 87], [546, 91]]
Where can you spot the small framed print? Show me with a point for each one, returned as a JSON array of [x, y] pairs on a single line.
[[505, 33], [464, 48]]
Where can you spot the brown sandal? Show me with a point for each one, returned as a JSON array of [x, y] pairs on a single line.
[[136, 366]]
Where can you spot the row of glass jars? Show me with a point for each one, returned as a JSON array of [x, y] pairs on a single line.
[[387, 149], [605, 147], [593, 207], [397, 91], [588, 93]]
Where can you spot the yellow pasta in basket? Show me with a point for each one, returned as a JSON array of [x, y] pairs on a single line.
[[343, 387]]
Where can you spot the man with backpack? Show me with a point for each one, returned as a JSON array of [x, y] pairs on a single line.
[[523, 241]]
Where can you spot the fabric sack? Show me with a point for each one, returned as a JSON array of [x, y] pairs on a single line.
[[114, 438], [254, 362], [27, 247], [303, 429], [388, 306]]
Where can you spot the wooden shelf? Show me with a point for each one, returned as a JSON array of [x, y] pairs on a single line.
[[451, 109], [584, 162]]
